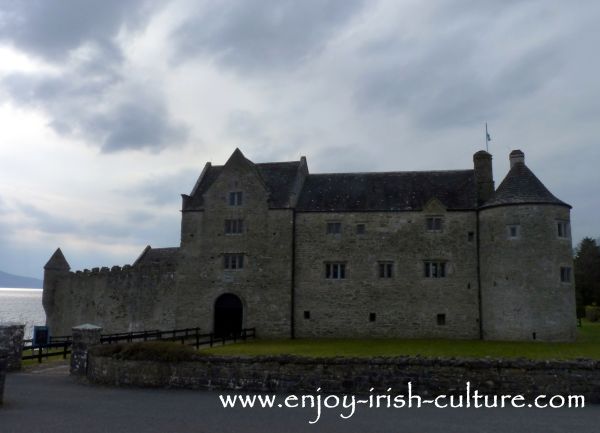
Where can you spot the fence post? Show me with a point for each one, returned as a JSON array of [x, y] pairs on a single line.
[[3, 366], [84, 337], [11, 343]]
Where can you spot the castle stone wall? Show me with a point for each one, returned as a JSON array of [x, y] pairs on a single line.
[[523, 297], [121, 299], [264, 284], [406, 305]]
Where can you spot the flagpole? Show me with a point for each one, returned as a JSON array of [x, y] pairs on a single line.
[[486, 138]]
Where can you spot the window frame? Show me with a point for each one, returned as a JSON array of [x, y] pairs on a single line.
[[236, 198], [335, 270], [509, 233], [433, 227], [333, 228], [385, 269], [234, 226], [440, 266], [233, 261], [566, 274], [563, 229]]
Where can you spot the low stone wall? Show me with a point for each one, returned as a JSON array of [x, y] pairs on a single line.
[[11, 344], [3, 364], [287, 374]]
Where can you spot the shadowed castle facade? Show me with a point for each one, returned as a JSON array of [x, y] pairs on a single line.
[[432, 254]]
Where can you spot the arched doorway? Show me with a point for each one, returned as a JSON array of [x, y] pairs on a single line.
[[228, 316]]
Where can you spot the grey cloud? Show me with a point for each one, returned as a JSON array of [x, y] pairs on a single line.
[[141, 123], [262, 35], [140, 120], [446, 80], [53, 28], [164, 190], [90, 97]]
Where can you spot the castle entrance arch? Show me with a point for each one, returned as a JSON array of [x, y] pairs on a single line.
[[229, 313]]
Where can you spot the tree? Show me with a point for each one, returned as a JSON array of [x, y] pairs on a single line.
[[587, 272]]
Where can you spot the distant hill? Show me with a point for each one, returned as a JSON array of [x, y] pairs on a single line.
[[16, 281]]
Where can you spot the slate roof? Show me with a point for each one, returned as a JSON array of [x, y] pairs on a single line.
[[279, 178], [157, 256], [57, 262], [521, 186], [388, 191]]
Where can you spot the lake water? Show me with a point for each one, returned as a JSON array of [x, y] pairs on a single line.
[[23, 306]]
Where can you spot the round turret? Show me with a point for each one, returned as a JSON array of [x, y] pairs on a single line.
[[526, 262]]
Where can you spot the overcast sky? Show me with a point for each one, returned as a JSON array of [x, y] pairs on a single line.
[[109, 109]]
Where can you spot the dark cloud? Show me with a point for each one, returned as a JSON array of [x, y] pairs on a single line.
[[165, 190], [89, 97], [51, 29], [86, 106], [139, 123], [262, 35], [451, 80]]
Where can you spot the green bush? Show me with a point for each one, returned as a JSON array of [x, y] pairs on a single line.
[[592, 313], [164, 351]]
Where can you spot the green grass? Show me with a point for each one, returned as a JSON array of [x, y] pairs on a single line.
[[586, 346]]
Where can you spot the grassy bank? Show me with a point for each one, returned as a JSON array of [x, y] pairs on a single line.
[[586, 346]]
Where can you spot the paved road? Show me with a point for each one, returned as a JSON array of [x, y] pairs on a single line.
[[49, 401]]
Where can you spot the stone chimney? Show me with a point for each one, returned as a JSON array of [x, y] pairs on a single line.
[[484, 177], [516, 157]]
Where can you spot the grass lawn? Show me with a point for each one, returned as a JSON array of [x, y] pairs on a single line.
[[586, 346]]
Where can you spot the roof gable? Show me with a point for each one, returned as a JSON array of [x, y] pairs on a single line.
[[280, 180]]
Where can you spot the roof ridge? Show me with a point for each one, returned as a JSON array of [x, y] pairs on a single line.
[[392, 172]]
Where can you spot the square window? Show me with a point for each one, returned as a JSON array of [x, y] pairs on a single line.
[[565, 274], [233, 261], [386, 269], [441, 319], [434, 224], [372, 317], [360, 229], [335, 271], [235, 198], [435, 269], [307, 315], [471, 236], [513, 231], [563, 229], [334, 228], [234, 227]]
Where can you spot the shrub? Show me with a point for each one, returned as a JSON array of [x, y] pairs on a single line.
[[592, 313], [164, 351]]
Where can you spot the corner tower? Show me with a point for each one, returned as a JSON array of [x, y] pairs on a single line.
[[56, 269], [527, 289]]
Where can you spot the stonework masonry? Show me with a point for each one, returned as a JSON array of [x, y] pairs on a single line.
[[11, 344], [436, 254], [288, 374]]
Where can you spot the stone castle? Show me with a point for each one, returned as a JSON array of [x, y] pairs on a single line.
[[425, 254]]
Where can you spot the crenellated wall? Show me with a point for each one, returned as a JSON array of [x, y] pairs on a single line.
[[119, 299]]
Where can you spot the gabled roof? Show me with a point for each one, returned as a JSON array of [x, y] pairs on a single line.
[[57, 262], [390, 191], [157, 257], [521, 186], [278, 177]]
